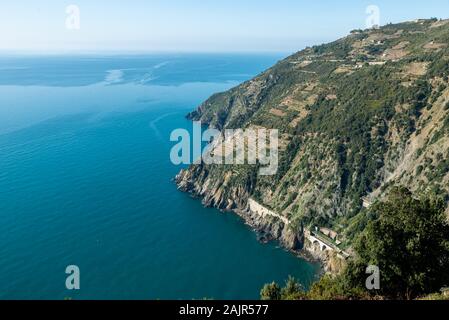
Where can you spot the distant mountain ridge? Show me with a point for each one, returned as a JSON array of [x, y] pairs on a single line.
[[357, 117]]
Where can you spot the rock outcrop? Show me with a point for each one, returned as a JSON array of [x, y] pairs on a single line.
[[356, 117]]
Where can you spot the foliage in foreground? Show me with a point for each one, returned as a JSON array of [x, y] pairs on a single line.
[[408, 241]]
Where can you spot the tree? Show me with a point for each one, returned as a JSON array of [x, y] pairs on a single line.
[[407, 238], [409, 242], [337, 287], [271, 291], [292, 290]]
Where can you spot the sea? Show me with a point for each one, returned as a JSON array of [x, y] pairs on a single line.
[[86, 180]]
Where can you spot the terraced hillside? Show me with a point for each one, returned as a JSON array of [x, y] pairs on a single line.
[[356, 117]]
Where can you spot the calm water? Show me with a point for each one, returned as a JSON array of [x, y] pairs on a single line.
[[86, 179]]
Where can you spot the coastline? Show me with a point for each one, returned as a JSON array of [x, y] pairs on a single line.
[[268, 229]]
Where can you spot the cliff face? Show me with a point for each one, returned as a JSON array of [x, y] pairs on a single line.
[[356, 117], [214, 193]]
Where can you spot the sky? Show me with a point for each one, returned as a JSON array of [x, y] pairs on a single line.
[[192, 25]]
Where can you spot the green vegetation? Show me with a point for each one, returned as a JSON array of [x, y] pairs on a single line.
[[409, 242], [291, 291], [357, 117], [344, 124], [271, 291]]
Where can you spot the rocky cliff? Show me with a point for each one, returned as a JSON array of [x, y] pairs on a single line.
[[356, 117]]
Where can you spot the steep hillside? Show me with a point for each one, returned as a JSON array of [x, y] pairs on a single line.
[[356, 117]]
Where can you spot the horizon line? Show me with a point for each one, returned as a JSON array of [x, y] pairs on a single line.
[[141, 52]]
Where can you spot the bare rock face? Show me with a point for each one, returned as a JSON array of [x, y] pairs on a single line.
[[274, 229], [196, 182], [356, 117]]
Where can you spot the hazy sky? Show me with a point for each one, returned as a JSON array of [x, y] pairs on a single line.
[[194, 25]]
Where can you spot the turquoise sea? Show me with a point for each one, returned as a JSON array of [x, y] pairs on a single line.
[[86, 180]]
